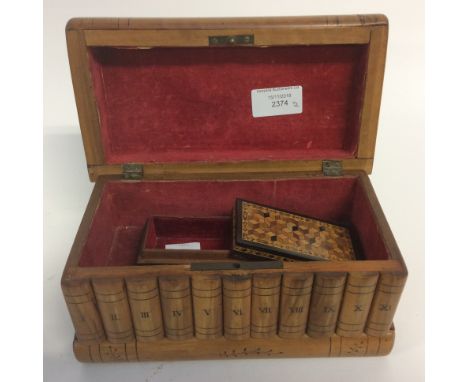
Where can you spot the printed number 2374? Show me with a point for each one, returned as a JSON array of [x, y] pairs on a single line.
[[279, 103]]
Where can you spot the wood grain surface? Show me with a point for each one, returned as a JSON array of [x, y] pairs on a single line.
[[145, 304]]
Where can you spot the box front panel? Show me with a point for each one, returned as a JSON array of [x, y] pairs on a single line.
[[231, 296]]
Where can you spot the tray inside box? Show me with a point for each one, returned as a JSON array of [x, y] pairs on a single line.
[[117, 227], [212, 232]]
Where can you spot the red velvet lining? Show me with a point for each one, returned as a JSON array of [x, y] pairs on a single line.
[[193, 104], [362, 219], [125, 206], [210, 232]]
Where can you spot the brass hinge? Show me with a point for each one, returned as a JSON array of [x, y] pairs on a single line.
[[133, 171], [332, 168], [240, 39]]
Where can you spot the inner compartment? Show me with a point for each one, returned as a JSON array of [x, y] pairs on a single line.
[[117, 228], [212, 232], [194, 104]]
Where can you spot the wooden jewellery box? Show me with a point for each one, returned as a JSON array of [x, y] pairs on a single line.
[[166, 109]]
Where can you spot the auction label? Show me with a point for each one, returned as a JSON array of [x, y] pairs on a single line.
[[192, 245], [276, 101]]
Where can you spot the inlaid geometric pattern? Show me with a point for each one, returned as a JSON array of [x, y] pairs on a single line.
[[283, 231]]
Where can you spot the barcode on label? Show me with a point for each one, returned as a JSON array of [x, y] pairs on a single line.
[[276, 101]]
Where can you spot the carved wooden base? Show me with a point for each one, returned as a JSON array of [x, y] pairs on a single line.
[[221, 348]]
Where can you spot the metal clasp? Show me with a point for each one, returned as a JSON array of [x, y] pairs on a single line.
[[242, 39], [238, 265]]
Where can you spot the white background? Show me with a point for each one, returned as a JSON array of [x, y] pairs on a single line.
[[398, 178]]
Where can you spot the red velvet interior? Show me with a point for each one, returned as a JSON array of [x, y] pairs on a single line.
[[211, 232], [193, 104], [117, 226]]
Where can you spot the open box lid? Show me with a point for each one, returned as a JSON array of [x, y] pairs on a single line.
[[172, 98]]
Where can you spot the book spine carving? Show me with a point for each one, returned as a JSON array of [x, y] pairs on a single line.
[[343, 315], [236, 306], [357, 300], [176, 304], [265, 305], [143, 296], [387, 296], [294, 308], [81, 304], [207, 296], [115, 311], [325, 303]]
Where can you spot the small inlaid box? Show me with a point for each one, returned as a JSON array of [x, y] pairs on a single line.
[[267, 232]]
